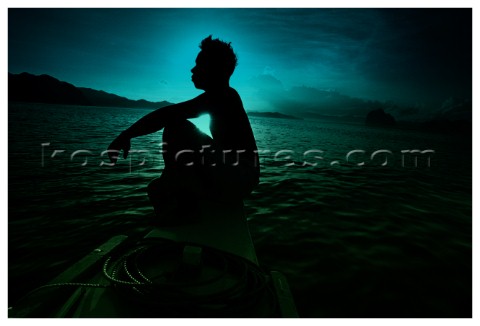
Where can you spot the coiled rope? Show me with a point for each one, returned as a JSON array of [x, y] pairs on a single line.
[[225, 284]]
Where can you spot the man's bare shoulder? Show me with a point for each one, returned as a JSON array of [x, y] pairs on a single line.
[[225, 96], [233, 96], [233, 92]]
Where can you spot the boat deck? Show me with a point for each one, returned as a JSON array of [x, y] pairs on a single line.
[[86, 289]]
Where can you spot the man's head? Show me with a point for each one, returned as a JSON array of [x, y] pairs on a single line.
[[214, 65]]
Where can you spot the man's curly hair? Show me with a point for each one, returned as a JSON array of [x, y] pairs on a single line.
[[220, 56]]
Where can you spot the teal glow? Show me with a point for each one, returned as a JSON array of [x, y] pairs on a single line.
[[202, 123], [287, 57]]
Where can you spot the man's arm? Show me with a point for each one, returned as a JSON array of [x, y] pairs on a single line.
[[155, 121]]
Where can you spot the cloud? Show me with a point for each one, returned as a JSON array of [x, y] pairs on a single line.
[[272, 95], [305, 100], [267, 83], [268, 71], [268, 92]]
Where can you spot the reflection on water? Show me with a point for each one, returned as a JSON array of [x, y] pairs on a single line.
[[353, 239]]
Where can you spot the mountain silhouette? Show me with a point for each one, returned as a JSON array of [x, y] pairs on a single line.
[[25, 87], [30, 88]]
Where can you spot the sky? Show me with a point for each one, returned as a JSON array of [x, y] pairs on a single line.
[[414, 57]]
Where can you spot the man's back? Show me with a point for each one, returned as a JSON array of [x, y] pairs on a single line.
[[231, 128]]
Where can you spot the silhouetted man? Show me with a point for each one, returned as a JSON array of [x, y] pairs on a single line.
[[196, 166]]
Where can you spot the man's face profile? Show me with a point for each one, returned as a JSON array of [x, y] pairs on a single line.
[[200, 72]]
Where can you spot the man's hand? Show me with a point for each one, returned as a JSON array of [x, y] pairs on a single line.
[[120, 143]]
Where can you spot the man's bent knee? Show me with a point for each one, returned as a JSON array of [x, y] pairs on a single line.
[[154, 188]]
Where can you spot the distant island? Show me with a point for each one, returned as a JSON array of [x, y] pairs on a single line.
[[30, 88], [276, 115], [378, 118]]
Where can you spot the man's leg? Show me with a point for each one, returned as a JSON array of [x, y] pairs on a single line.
[[176, 191]]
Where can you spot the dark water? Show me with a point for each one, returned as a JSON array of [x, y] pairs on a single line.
[[354, 240]]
